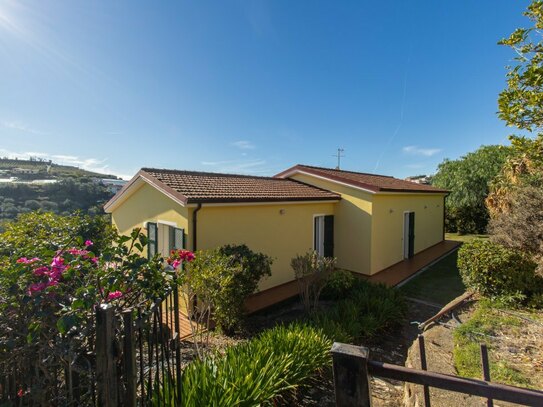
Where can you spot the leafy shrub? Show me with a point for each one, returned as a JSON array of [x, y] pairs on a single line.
[[496, 271], [256, 372], [369, 309], [48, 304], [222, 279], [312, 271], [338, 285]]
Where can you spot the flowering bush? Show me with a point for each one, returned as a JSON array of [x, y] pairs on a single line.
[[48, 303]]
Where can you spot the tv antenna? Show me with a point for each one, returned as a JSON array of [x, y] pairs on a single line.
[[339, 155]]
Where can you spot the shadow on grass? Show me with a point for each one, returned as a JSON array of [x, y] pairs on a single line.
[[440, 283]]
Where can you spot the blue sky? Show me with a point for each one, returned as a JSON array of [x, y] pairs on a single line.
[[253, 86]]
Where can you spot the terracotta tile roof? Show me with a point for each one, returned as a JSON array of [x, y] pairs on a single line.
[[206, 187], [372, 182]]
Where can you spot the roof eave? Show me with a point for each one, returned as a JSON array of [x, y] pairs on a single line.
[[300, 169], [144, 176]]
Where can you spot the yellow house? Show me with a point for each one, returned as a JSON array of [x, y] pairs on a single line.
[[370, 223]]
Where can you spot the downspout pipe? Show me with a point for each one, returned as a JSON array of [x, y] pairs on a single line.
[[194, 227]]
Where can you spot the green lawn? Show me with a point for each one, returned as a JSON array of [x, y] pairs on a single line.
[[440, 283], [464, 238]]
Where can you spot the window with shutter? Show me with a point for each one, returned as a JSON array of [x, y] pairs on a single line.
[[178, 238], [152, 239], [328, 244]]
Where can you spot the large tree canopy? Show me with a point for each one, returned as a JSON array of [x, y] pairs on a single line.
[[515, 198], [468, 180]]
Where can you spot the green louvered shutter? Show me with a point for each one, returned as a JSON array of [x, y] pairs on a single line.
[[152, 239], [178, 238], [329, 236]]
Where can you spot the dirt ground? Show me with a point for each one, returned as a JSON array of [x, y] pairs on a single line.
[[519, 346]]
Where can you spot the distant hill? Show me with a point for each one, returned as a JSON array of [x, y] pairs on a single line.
[[29, 185], [44, 169]]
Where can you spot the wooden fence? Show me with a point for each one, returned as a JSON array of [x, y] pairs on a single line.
[[138, 355], [353, 369]]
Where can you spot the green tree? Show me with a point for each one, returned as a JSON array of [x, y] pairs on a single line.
[[514, 201], [520, 104], [468, 180]]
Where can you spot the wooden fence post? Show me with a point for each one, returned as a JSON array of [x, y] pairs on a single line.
[[486, 369], [129, 360], [351, 380], [106, 371]]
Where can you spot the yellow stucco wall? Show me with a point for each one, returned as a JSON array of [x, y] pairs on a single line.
[[352, 224], [263, 229], [148, 205], [388, 224]]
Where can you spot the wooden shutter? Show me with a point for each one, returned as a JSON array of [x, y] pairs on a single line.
[[411, 236], [152, 239], [329, 236]]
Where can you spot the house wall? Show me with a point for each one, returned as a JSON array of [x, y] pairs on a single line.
[[352, 224], [388, 222], [148, 205], [263, 229]]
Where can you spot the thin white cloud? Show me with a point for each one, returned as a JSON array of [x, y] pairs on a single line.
[[427, 152], [244, 145], [238, 166], [20, 126]]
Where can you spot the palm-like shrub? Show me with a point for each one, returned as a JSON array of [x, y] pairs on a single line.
[[256, 372]]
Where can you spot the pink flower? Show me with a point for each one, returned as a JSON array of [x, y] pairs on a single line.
[[176, 263], [20, 393], [94, 260], [24, 260], [114, 295], [186, 255], [57, 261], [52, 283], [41, 271], [36, 287], [77, 252], [88, 243]]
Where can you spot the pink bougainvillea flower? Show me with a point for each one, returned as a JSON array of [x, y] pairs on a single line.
[[176, 263], [41, 271], [24, 260], [57, 261], [36, 287], [186, 255], [114, 295], [52, 283], [94, 260], [88, 243]]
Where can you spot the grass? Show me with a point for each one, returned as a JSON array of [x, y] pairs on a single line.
[[440, 283], [485, 323], [464, 238]]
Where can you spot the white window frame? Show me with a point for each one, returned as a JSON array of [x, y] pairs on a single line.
[[320, 249]]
